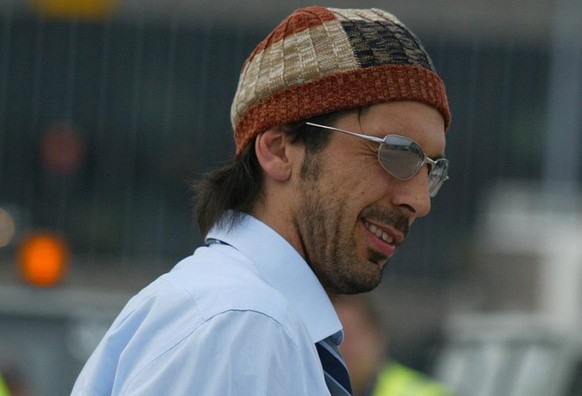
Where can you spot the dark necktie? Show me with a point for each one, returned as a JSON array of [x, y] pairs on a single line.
[[336, 373]]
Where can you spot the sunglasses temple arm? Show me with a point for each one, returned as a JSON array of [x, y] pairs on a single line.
[[355, 134]]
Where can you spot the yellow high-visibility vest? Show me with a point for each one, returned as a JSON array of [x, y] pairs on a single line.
[[3, 387], [398, 380]]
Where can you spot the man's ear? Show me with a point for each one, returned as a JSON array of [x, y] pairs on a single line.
[[272, 150]]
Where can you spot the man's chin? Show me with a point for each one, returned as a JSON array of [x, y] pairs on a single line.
[[362, 284]]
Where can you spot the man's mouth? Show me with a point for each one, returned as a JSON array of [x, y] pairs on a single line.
[[379, 232], [383, 238]]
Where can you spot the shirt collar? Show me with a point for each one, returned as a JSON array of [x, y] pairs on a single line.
[[280, 265]]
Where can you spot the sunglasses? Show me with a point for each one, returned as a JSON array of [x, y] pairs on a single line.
[[403, 158]]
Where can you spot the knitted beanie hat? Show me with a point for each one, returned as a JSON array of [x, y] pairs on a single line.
[[322, 60]]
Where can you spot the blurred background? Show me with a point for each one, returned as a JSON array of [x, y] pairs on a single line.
[[109, 109]]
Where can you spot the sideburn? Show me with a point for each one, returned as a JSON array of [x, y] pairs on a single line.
[[310, 168]]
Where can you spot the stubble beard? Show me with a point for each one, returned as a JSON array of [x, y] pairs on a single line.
[[329, 240], [331, 251]]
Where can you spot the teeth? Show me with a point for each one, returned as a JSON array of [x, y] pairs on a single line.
[[379, 233]]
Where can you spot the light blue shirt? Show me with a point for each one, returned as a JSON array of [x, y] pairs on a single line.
[[236, 319]]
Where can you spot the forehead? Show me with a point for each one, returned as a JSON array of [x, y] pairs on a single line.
[[415, 120]]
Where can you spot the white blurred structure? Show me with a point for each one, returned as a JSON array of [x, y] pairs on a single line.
[[542, 229], [526, 341]]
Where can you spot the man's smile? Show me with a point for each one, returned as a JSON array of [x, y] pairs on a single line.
[[383, 238]]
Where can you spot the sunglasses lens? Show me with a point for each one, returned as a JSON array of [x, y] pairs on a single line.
[[400, 156], [438, 176]]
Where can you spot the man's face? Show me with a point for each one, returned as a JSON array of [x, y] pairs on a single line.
[[350, 215]]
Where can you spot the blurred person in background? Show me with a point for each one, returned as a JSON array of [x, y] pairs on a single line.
[[366, 353], [339, 121], [13, 381], [3, 387]]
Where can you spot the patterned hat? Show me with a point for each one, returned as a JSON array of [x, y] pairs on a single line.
[[322, 60]]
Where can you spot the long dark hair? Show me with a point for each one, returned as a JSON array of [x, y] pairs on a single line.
[[223, 194]]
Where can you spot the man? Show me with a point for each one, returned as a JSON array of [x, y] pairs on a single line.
[[339, 122]]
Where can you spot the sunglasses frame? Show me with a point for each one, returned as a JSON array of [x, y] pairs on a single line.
[[382, 141]]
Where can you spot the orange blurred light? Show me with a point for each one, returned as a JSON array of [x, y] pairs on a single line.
[[42, 259], [75, 9]]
